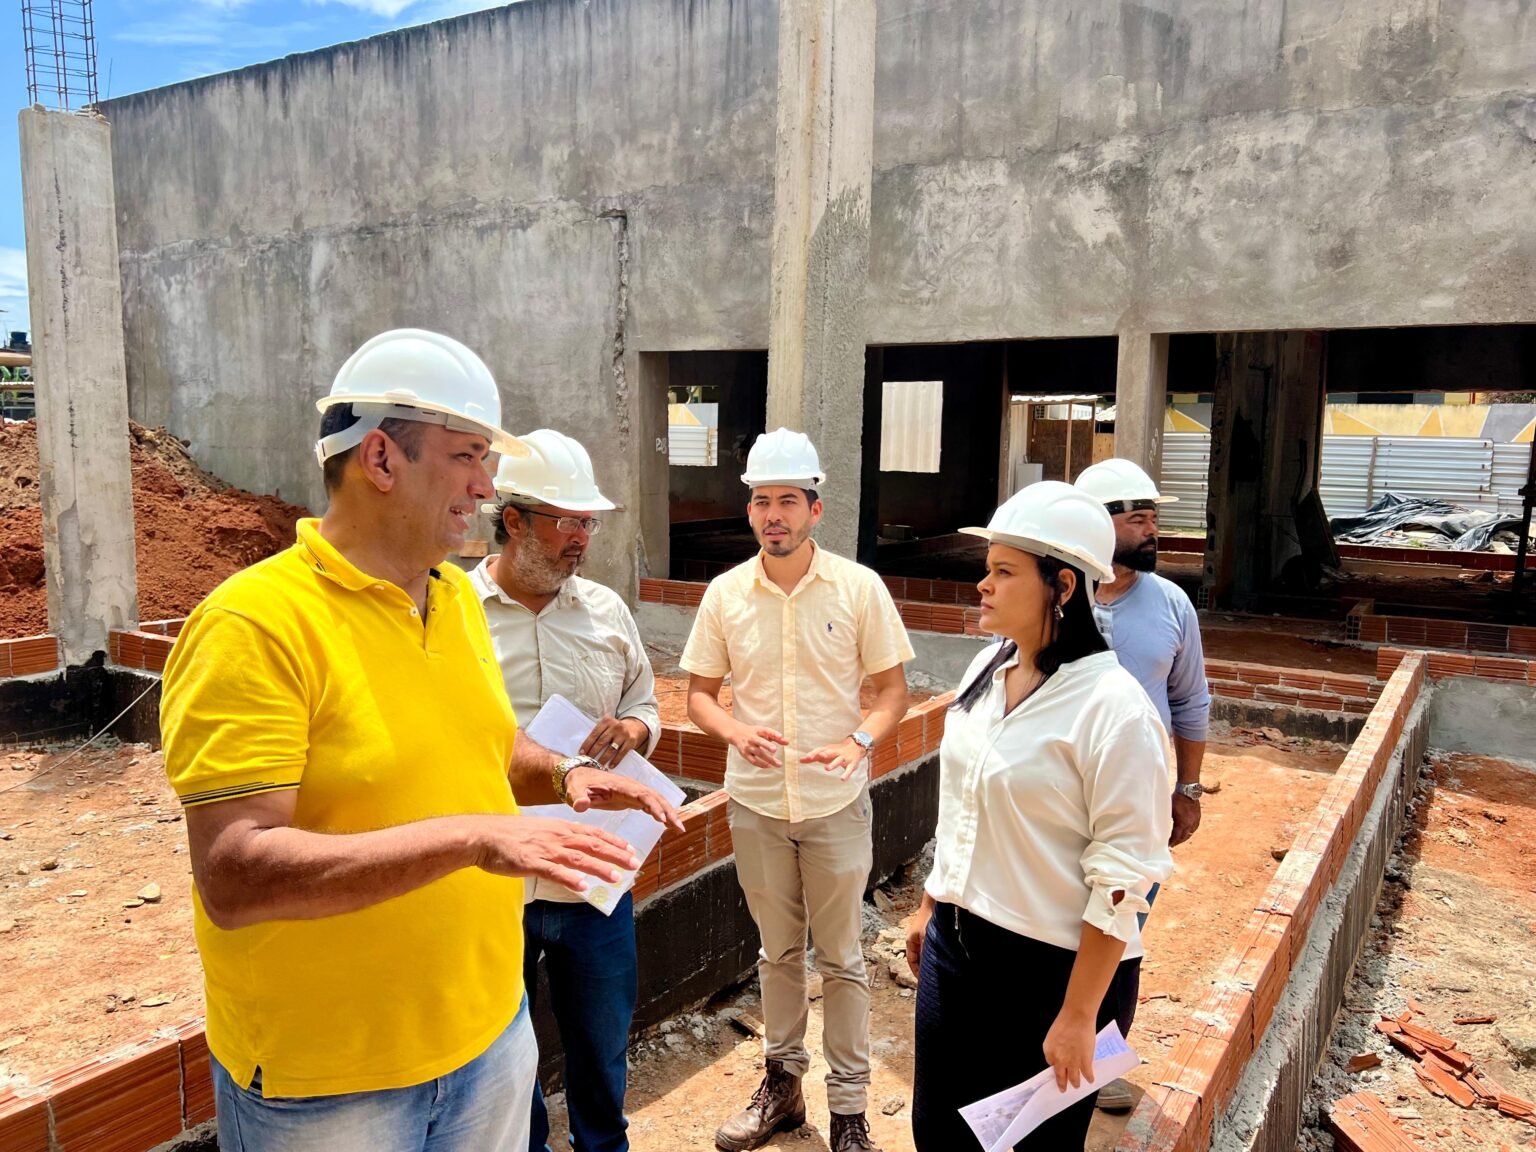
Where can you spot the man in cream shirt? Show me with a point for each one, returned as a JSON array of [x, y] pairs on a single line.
[[558, 634], [798, 629]]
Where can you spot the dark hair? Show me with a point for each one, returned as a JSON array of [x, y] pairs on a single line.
[[502, 535], [1072, 637], [406, 433]]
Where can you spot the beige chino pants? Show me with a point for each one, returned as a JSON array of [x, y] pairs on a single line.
[[811, 875]]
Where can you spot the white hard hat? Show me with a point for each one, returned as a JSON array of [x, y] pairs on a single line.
[[557, 471], [1121, 486], [783, 457], [413, 374], [1053, 519]]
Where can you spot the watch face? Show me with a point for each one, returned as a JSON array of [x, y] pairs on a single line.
[[864, 740]]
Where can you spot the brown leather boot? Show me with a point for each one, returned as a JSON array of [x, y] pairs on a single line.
[[777, 1106], [851, 1133]]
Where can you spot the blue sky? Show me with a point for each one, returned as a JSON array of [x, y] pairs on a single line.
[[150, 43]]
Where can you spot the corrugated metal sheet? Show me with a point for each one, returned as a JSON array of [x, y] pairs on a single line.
[[1357, 470], [911, 417], [691, 446], [692, 434], [1186, 474], [1511, 465]]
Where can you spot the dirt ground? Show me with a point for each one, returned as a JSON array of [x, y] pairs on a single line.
[[700, 1068], [1453, 936], [1284, 650], [193, 530], [83, 972], [86, 974]]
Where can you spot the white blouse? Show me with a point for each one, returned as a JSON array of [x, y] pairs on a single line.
[[1048, 812]]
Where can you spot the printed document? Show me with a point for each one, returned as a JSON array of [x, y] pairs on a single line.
[[1001, 1121], [562, 727]]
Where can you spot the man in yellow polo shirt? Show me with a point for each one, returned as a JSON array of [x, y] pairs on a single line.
[[798, 629], [335, 723]]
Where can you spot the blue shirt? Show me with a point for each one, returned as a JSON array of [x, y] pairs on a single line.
[[1155, 634]]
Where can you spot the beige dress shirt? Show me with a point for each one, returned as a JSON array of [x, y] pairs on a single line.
[[584, 646], [796, 664]]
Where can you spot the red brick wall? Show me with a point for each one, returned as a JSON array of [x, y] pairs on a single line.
[[29, 656], [1197, 1077]]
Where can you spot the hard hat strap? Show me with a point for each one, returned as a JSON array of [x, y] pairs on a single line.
[[1115, 507]]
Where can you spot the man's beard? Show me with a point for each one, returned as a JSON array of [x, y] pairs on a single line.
[[539, 570], [786, 545], [1142, 559]]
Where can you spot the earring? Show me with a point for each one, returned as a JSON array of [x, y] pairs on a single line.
[[1059, 613]]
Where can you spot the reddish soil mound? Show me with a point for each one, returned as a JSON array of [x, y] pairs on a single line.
[[193, 529]]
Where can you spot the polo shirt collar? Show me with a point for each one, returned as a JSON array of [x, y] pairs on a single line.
[[323, 557], [817, 570]]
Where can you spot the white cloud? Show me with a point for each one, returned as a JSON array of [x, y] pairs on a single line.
[[163, 36], [388, 9], [407, 12], [443, 9], [13, 290]]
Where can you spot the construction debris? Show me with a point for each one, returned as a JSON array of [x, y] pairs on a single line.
[[1447, 1071], [1361, 1123]]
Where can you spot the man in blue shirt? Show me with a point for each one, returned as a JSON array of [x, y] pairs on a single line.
[[1155, 633]]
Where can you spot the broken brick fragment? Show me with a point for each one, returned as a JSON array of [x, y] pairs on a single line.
[[1361, 1123]]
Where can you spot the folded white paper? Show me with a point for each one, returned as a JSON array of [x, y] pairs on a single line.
[[1001, 1121], [562, 727]]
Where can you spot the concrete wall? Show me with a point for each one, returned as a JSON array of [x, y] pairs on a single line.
[[565, 185], [1488, 717]]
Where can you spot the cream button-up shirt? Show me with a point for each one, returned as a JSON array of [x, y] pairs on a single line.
[[1046, 812], [584, 646], [796, 664]]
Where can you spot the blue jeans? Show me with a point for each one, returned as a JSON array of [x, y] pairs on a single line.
[[481, 1107], [593, 980]]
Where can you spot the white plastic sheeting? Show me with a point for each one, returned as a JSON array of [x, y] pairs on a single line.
[[1358, 469]]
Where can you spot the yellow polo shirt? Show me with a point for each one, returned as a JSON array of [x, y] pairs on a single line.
[[796, 664], [304, 672]]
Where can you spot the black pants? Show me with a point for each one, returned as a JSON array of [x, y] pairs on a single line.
[[986, 997]]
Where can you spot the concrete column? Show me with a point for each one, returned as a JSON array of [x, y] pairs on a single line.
[[1141, 397], [82, 391], [654, 540], [822, 158]]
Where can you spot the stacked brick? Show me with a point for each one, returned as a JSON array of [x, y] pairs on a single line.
[[1200, 1073]]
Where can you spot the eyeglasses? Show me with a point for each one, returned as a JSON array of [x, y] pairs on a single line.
[[588, 524]]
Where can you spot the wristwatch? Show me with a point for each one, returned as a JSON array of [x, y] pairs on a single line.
[[864, 740], [1192, 791], [565, 768]]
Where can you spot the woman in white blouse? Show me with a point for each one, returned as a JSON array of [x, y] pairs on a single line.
[[1053, 825]]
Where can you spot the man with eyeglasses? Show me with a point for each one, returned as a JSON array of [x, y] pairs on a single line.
[[558, 634]]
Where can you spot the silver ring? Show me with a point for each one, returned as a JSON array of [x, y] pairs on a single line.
[[615, 747]]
